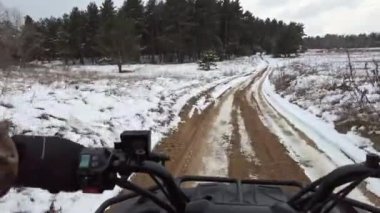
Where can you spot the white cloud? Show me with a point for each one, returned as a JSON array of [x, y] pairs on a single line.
[[322, 16], [308, 9]]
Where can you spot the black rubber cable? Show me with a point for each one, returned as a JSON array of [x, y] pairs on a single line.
[[148, 194]]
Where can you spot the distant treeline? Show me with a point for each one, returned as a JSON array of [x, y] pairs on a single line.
[[343, 41], [159, 31]]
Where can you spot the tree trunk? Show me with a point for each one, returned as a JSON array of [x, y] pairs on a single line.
[[120, 63], [119, 66]]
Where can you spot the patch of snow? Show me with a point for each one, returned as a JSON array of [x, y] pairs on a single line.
[[216, 163]]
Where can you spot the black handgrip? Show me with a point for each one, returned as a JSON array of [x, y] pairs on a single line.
[[49, 163]]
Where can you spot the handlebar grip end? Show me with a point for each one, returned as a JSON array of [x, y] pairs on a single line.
[[372, 161]]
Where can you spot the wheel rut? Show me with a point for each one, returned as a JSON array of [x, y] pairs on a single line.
[[226, 139]]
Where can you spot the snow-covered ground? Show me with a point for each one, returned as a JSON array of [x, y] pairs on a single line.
[[322, 83], [330, 149], [92, 105], [308, 93]]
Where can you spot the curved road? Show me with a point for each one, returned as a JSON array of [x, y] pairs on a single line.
[[236, 136]]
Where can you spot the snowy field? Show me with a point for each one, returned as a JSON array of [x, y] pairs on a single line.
[[323, 84], [92, 105], [316, 93]]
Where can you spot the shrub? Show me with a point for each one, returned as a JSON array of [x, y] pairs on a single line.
[[208, 60]]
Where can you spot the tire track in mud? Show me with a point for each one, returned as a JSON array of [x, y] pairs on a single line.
[[273, 161], [231, 137], [186, 145], [227, 139]]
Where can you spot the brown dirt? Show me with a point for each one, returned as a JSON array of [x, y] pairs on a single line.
[[187, 145], [275, 163], [190, 143], [237, 160]]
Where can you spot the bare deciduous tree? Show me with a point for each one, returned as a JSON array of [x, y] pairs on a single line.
[[10, 25]]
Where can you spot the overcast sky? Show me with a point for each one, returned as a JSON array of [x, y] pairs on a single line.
[[319, 16]]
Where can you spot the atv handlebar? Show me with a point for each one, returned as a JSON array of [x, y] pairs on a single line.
[[323, 188], [118, 162], [316, 193], [99, 169]]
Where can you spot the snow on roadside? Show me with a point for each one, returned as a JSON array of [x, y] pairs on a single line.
[[95, 112], [311, 160], [216, 92], [322, 83], [341, 149], [216, 162]]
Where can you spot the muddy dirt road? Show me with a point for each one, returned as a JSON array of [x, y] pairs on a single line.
[[237, 136], [229, 139], [226, 139]]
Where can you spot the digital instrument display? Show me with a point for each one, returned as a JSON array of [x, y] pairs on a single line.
[[85, 161]]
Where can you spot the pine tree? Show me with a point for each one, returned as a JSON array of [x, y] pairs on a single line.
[[31, 41], [290, 40], [108, 16], [133, 9], [224, 23], [153, 30], [77, 33], [231, 16], [249, 38], [174, 30], [62, 41], [92, 28], [208, 60], [8, 44], [118, 40], [49, 28], [107, 11], [206, 20], [107, 24]]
